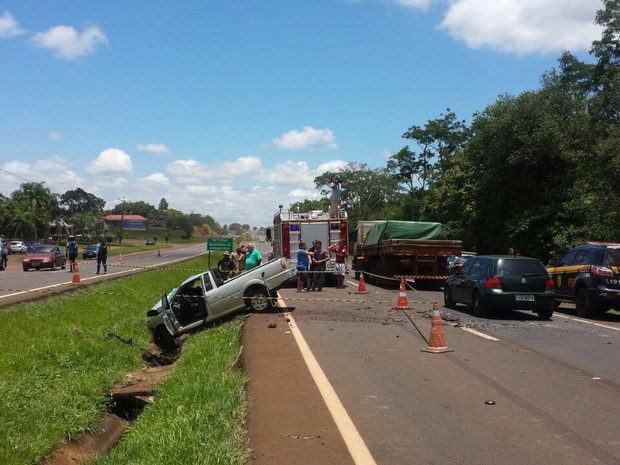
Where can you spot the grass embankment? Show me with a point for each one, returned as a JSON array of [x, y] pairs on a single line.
[[58, 365]]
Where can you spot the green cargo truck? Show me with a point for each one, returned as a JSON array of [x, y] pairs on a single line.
[[413, 250]]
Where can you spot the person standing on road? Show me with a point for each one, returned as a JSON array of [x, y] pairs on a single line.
[[319, 259], [273, 252], [240, 259], [253, 257], [102, 256], [311, 265], [340, 265], [72, 252], [303, 263]]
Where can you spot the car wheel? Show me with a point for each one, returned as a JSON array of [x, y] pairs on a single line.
[[257, 299], [447, 299], [544, 314], [25, 269], [163, 339], [477, 305], [582, 303]]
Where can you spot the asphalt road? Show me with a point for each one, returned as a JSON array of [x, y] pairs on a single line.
[[17, 285], [514, 390]]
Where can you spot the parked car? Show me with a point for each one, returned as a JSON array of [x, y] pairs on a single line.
[[490, 283], [44, 256], [18, 247], [90, 251], [206, 297], [150, 242], [34, 243], [4, 254], [589, 276]]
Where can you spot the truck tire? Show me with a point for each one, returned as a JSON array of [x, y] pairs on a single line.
[[545, 314], [257, 299]]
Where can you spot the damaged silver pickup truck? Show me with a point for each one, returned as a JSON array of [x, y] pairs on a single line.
[[207, 297]]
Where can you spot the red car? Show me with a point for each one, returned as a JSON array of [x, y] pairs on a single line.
[[44, 256]]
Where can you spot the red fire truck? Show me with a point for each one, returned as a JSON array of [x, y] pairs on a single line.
[[290, 228]]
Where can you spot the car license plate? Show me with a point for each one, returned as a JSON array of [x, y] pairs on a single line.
[[525, 298]]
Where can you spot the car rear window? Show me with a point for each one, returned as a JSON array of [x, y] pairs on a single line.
[[519, 267]]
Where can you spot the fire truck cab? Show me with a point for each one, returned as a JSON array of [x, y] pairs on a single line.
[[290, 228]]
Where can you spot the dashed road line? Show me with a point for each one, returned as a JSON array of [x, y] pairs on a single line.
[[593, 323], [479, 334]]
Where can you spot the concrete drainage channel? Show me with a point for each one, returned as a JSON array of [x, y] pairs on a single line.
[[127, 401]]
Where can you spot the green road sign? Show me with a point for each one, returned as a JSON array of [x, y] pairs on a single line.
[[223, 244]]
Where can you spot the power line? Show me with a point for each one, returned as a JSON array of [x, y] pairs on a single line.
[[16, 175]]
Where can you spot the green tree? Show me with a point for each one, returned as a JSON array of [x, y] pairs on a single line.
[[41, 202], [80, 201], [163, 204], [366, 193]]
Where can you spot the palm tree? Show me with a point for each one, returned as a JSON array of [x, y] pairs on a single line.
[[41, 202]]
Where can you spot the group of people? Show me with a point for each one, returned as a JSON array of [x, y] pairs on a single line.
[[243, 259], [101, 251], [312, 265]]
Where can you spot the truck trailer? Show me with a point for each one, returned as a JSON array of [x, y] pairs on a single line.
[[396, 250]]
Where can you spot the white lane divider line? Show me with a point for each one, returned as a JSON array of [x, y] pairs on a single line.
[[579, 320], [352, 438], [479, 334]]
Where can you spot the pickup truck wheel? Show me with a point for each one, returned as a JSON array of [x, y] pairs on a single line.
[[479, 309], [163, 339], [447, 299], [257, 300]]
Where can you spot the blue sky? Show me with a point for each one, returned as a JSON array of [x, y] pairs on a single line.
[[230, 108]]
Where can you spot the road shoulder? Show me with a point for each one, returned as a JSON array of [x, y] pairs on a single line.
[[287, 419]]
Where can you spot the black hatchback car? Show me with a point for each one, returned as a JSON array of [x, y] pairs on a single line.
[[490, 283], [90, 251]]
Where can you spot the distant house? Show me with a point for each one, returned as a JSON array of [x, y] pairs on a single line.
[[130, 222]]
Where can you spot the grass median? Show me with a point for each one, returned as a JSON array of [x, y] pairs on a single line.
[[58, 366]]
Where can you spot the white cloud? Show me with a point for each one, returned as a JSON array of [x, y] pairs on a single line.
[[8, 26], [68, 43], [307, 137], [111, 162], [155, 180], [523, 26], [418, 4], [153, 148], [53, 135]]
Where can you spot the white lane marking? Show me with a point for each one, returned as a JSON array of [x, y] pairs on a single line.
[[579, 320], [352, 438], [479, 334]]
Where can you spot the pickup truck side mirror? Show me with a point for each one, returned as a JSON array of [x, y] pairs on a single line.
[[165, 304]]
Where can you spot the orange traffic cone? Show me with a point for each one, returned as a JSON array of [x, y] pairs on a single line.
[[402, 296], [437, 342], [76, 274], [361, 289]]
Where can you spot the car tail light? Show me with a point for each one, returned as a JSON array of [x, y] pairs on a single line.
[[492, 283], [549, 284], [602, 271]]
